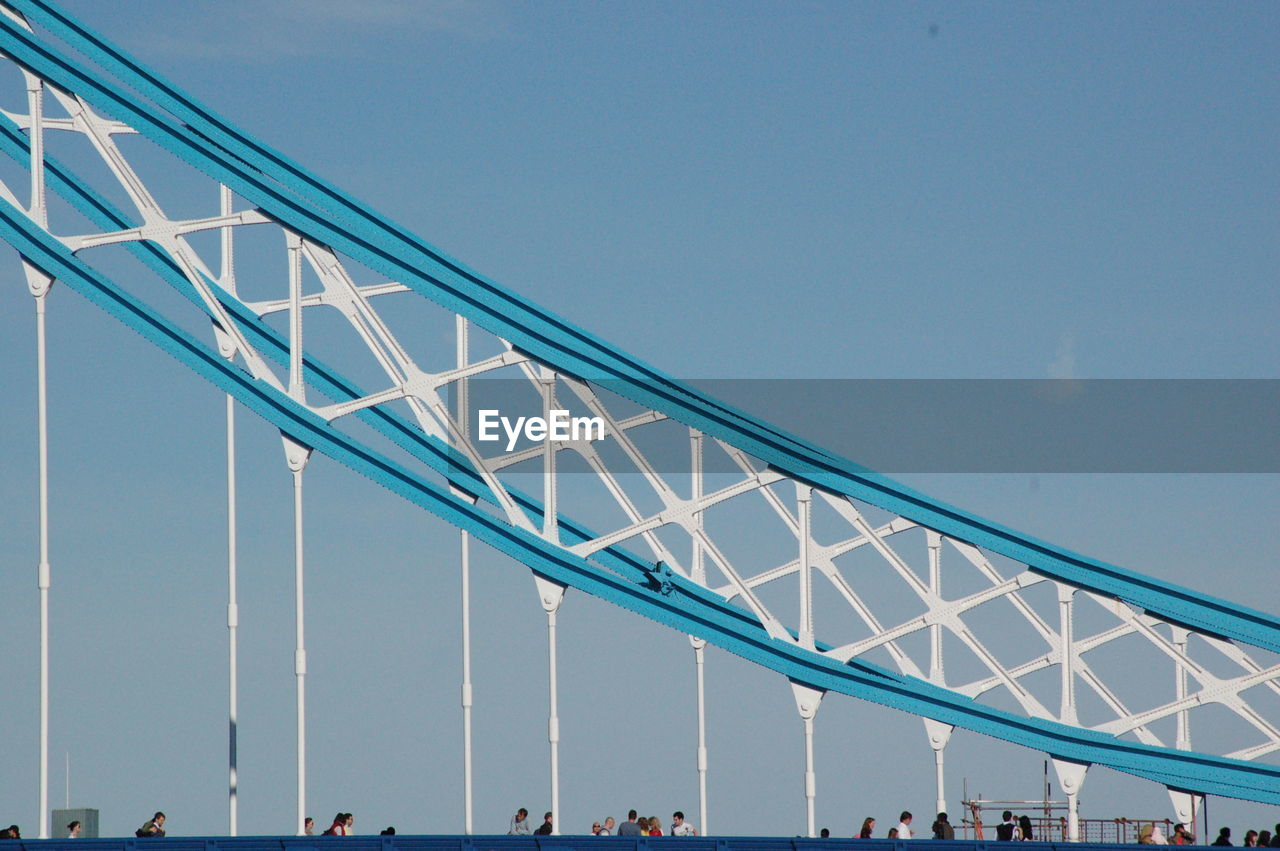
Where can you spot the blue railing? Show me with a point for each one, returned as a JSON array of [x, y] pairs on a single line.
[[528, 843]]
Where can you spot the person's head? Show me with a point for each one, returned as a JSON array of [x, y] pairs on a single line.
[[158, 818], [609, 823], [942, 817], [643, 822], [1007, 816], [522, 814], [677, 818], [1251, 838], [1179, 828], [308, 822], [905, 818], [868, 825], [824, 833], [73, 829], [595, 827], [893, 831], [1225, 833], [348, 819], [631, 815], [546, 817]]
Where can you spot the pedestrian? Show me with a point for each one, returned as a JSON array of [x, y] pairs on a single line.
[[596, 828], [607, 830], [1024, 828], [1006, 828], [868, 828], [308, 826], [73, 830], [339, 826], [630, 827], [152, 827], [1224, 837], [388, 831], [893, 833], [942, 828], [545, 828], [520, 824], [655, 826], [825, 833], [904, 825], [680, 827]]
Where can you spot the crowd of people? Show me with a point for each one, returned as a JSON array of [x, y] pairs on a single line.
[[1008, 830], [635, 825], [1252, 838]]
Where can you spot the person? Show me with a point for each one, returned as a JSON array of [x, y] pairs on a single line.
[[1250, 839], [1275, 837], [520, 824], [339, 826], [1157, 836], [630, 827], [152, 827], [868, 828], [73, 829], [1144, 834], [942, 828], [824, 833], [904, 825], [388, 831], [596, 828], [1224, 837], [1182, 836], [893, 833], [607, 830], [11, 832], [1264, 839], [655, 826], [308, 826], [680, 827], [349, 825], [1005, 829], [544, 829], [1024, 829]]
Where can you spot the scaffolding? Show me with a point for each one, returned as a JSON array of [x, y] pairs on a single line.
[[1049, 822]]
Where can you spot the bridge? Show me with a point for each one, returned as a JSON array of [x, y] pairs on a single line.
[[360, 342]]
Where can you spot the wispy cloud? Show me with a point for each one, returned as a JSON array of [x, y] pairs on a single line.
[[1063, 364]]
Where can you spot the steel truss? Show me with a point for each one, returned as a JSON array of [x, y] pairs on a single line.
[[823, 536]]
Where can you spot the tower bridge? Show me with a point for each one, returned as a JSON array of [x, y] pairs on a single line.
[[308, 310]]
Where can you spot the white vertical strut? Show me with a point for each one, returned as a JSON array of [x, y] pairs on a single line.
[[466, 682], [1183, 740], [233, 621], [699, 574], [39, 286], [43, 571], [1071, 778], [465, 543], [1066, 629], [550, 594], [299, 652], [939, 734], [227, 347], [297, 456], [808, 700], [551, 600]]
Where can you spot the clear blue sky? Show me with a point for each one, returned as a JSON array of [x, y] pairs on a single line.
[[723, 189]]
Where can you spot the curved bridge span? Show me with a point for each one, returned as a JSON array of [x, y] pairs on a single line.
[[663, 548]]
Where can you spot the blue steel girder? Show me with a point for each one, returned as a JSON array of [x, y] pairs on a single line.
[[321, 213]]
